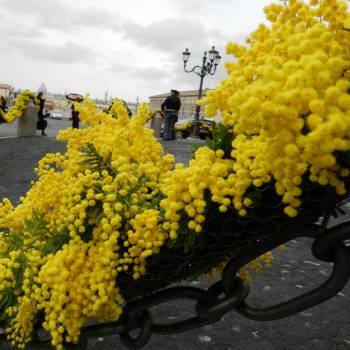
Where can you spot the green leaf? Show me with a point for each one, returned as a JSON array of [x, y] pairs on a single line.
[[8, 299], [94, 161], [222, 138], [154, 204], [3, 301], [18, 273], [171, 243], [190, 240], [36, 226], [55, 243], [14, 241], [3, 317]]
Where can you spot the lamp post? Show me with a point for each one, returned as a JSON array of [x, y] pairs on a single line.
[[209, 65]]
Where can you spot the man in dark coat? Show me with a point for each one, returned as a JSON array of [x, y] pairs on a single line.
[[75, 118], [170, 108], [3, 105], [42, 123]]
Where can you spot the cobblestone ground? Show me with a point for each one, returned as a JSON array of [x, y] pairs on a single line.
[[323, 327]]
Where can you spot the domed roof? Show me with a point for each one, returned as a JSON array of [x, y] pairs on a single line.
[[42, 89]]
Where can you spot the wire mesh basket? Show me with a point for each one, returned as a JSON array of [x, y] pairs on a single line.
[[228, 235]]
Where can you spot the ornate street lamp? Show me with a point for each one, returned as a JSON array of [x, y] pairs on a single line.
[[209, 65]]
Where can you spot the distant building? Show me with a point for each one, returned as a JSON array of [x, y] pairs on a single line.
[[56, 102], [101, 105], [188, 103], [133, 106], [5, 90], [43, 89]]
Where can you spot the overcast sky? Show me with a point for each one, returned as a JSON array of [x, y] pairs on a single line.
[[129, 48]]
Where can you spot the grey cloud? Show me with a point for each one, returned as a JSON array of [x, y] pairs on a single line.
[[119, 67], [95, 18], [13, 40], [169, 33], [200, 7], [56, 15], [33, 6], [149, 73], [76, 20], [43, 13], [21, 32], [146, 75], [68, 52]]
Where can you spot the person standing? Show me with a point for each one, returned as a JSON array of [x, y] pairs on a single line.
[[127, 108], [170, 108], [75, 117], [3, 105], [42, 123], [3, 108]]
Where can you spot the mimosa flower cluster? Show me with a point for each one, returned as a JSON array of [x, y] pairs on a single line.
[[19, 107], [95, 212], [287, 100], [115, 199], [92, 213]]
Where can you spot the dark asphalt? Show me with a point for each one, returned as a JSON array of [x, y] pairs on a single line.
[[323, 327]]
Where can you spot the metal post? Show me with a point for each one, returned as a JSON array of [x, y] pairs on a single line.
[[137, 104], [198, 108], [206, 68]]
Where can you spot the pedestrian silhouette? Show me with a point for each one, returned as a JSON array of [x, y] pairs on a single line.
[[170, 108], [42, 123], [75, 117]]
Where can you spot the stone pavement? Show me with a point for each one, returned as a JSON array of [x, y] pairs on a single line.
[[54, 125], [324, 327]]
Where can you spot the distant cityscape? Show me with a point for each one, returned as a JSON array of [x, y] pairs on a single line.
[[59, 103], [55, 102]]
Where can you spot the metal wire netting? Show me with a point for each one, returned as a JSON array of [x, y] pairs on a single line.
[[227, 235]]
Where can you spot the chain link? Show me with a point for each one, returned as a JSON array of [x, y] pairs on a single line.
[[227, 294], [327, 247]]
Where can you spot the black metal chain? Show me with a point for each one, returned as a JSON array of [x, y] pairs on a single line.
[[227, 294], [328, 246]]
